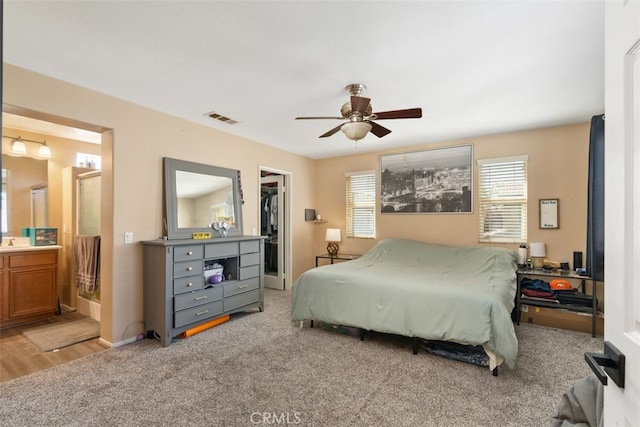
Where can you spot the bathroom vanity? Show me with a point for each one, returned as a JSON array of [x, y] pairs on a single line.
[[28, 284]]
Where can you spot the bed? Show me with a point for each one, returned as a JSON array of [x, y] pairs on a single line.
[[463, 295]]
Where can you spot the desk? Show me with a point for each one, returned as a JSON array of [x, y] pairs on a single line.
[[341, 257], [561, 274]]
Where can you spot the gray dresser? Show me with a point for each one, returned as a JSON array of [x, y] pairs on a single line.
[[177, 297]]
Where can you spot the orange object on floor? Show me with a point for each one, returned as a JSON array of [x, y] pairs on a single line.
[[204, 326]]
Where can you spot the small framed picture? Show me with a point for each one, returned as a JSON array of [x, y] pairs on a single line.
[[549, 213]]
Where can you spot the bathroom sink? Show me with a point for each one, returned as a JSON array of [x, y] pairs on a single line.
[[13, 243]]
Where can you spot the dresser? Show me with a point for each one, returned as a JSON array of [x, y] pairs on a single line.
[[178, 297]]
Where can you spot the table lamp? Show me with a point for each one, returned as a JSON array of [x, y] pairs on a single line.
[[332, 236], [537, 253]]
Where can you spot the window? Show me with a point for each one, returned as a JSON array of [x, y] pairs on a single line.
[[502, 200], [361, 204], [85, 160]]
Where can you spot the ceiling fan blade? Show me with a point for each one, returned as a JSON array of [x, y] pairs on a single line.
[[410, 113], [319, 118], [378, 130], [360, 104], [332, 131]]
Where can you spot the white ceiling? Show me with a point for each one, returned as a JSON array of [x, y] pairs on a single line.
[[475, 67]]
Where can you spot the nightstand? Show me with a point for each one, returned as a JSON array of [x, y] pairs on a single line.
[[561, 274], [341, 257]]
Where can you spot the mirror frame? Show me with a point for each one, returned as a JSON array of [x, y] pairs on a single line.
[[171, 198]]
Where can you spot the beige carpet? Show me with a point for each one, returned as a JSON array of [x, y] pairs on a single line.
[[59, 335], [261, 369]]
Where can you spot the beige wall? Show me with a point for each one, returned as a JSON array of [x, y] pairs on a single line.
[[134, 143], [557, 168], [136, 138]]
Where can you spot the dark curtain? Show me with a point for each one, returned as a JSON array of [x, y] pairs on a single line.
[[595, 206]]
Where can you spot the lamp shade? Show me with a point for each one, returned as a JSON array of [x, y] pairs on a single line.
[[18, 147], [44, 151], [356, 130], [333, 235], [536, 249]]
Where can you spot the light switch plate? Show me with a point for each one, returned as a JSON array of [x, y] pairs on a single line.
[[128, 237]]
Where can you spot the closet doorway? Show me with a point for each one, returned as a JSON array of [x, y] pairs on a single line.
[[274, 226]]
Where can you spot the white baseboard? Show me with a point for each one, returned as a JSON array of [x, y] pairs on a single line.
[[108, 344], [68, 309], [104, 343]]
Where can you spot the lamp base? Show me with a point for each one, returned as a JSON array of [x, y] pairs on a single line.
[[538, 262], [332, 248]]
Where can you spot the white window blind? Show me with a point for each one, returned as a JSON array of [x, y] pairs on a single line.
[[361, 204], [502, 200]]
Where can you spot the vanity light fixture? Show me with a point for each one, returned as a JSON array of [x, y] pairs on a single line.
[[18, 146], [44, 150]]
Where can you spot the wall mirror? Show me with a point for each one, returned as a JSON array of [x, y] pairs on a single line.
[[197, 195], [21, 208]]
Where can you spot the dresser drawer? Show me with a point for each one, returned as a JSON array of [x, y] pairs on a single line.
[[198, 314], [187, 253], [221, 250], [240, 300], [249, 272], [250, 246], [249, 259], [187, 284], [238, 287], [188, 268], [193, 299]]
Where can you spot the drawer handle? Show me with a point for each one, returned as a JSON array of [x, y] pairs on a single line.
[[202, 312], [242, 286], [189, 268], [199, 298], [189, 285], [190, 253]]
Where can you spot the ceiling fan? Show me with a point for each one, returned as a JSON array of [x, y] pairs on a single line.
[[360, 117]]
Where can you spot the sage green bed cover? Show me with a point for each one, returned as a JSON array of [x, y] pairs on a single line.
[[417, 289]]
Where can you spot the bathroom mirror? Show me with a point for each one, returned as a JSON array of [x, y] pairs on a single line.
[[197, 195], [21, 175]]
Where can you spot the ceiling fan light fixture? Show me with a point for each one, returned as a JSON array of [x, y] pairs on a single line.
[[356, 130]]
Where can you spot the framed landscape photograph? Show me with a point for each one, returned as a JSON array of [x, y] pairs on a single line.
[[430, 181]]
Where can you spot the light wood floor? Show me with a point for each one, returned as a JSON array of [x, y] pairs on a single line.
[[19, 356]]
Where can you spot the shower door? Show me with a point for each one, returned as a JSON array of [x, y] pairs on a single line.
[[88, 220], [89, 204]]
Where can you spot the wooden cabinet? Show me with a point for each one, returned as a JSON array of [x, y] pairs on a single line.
[[177, 295], [29, 285]]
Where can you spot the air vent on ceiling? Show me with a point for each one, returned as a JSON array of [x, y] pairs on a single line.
[[221, 118]]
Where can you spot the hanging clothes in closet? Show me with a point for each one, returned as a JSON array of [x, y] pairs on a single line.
[[269, 225], [269, 217]]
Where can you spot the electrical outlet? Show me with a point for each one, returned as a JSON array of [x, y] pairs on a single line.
[[128, 237]]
